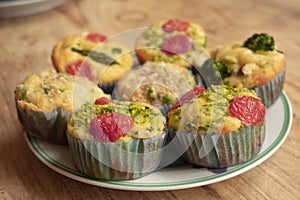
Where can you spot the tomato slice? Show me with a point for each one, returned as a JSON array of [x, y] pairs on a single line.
[[111, 127], [188, 97], [178, 44], [80, 68], [96, 37], [102, 101], [175, 25], [248, 109], [73, 67]]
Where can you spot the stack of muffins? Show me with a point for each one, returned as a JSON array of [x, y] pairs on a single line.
[[115, 115]]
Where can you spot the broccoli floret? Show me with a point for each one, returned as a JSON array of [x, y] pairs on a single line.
[[166, 99], [213, 72], [261, 41], [223, 69]]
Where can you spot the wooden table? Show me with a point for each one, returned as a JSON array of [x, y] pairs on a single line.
[[26, 44]]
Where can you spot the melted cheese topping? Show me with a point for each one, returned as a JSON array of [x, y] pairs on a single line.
[[50, 90]]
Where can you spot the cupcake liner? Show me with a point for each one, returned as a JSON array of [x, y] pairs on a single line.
[[48, 126], [164, 109], [107, 87], [172, 156], [119, 160], [206, 75], [271, 91], [221, 150]]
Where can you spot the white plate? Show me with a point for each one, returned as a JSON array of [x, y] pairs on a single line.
[[17, 8], [279, 121]]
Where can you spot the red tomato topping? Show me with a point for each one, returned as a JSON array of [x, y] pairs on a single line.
[[178, 44], [188, 97], [73, 67], [95, 37], [102, 101], [78, 67], [248, 109], [111, 127], [175, 25]]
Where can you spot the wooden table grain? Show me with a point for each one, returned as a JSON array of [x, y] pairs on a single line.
[[26, 44]]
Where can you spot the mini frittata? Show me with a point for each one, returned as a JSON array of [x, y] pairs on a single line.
[[117, 140], [218, 127]]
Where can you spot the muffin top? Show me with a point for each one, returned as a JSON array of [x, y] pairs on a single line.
[[250, 64], [219, 109], [116, 121], [155, 83], [92, 55], [49, 90], [172, 41]]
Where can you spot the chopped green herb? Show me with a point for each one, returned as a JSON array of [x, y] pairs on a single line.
[[223, 69], [151, 93], [47, 90], [166, 99]]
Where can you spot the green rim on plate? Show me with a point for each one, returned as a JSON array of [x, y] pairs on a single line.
[[131, 185]]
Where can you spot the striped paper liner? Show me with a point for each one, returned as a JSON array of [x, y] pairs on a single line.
[[221, 150], [48, 126], [116, 160]]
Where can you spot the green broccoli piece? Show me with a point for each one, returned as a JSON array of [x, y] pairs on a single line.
[[213, 72], [223, 69], [261, 41], [151, 93], [166, 99]]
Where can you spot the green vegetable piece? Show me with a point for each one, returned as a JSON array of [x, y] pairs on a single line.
[[47, 90], [96, 56], [260, 42], [116, 50], [223, 69], [213, 72], [151, 93], [166, 99]]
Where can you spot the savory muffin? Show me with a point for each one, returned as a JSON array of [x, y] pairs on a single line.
[[173, 41], [156, 83], [219, 127], [256, 64], [92, 55], [117, 140], [45, 102]]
